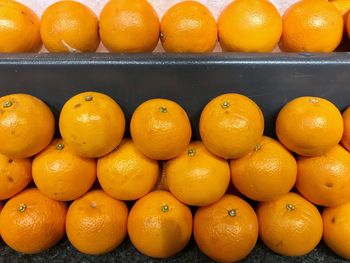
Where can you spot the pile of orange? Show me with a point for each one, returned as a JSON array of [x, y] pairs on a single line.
[[160, 223], [188, 26]]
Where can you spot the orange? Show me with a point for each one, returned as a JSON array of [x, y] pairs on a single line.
[[249, 26], [126, 174], [129, 26], [347, 24], [20, 28], [61, 174], [231, 125], [31, 222], [92, 124], [346, 135], [343, 6], [160, 129], [159, 225], [227, 230], [188, 26], [325, 179], [266, 173], [15, 175], [309, 126], [336, 229], [312, 26], [96, 223], [197, 177], [26, 125], [289, 225], [69, 26]]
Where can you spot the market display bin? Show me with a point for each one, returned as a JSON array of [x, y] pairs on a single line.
[[270, 80]]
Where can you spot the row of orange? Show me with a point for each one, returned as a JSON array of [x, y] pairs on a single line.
[[197, 174], [134, 26], [160, 226]]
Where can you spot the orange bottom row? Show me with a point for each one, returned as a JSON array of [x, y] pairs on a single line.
[[160, 226]]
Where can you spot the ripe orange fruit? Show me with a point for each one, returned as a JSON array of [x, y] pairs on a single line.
[[347, 24], [312, 26], [129, 26], [61, 174], [15, 175], [92, 124], [249, 26], [188, 26], [96, 223], [325, 180], [69, 26], [346, 135], [159, 225], [231, 125], [309, 126], [289, 225], [266, 173], [26, 125], [126, 174], [20, 28], [227, 230], [343, 6], [336, 229], [160, 129], [197, 177], [31, 222]]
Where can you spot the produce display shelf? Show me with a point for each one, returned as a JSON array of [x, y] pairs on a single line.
[[271, 80]]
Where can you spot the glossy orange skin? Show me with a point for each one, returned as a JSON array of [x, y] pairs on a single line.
[[343, 6], [266, 173], [325, 180], [287, 231], [15, 175], [127, 174], [222, 237], [88, 116], [188, 26], [345, 141], [27, 125], [160, 129], [312, 26], [39, 226], [249, 26], [197, 177], [336, 229], [309, 126], [69, 26], [129, 26], [231, 125], [61, 174], [159, 225], [20, 28], [96, 223]]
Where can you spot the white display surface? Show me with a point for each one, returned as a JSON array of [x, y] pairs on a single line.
[[215, 6]]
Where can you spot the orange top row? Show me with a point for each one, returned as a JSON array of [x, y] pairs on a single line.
[[188, 26]]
